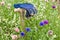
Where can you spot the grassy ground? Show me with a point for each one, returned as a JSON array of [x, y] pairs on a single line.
[[9, 19]]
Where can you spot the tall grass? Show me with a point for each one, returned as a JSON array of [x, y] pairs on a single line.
[[9, 20]]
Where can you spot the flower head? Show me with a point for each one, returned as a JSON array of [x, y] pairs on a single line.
[[41, 23], [2, 3], [53, 0], [45, 21], [14, 37], [9, 6], [50, 32], [27, 29], [22, 33], [46, 0], [16, 29], [53, 6]]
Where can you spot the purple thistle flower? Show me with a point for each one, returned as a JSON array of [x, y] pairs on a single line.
[[41, 23], [22, 33], [28, 29], [50, 32], [45, 21], [53, 6]]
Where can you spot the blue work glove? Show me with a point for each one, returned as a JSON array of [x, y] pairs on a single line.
[[28, 7]]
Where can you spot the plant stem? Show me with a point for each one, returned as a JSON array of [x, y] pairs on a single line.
[[58, 3], [22, 19]]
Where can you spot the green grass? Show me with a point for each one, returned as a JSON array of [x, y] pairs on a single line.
[[9, 19]]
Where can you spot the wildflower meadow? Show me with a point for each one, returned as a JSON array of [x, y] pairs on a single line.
[[29, 20]]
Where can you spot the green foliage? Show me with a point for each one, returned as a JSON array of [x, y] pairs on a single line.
[[9, 19]]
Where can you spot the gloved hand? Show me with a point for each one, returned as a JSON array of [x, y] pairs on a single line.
[[30, 9]]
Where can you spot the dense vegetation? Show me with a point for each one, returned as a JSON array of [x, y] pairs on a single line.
[[10, 20]]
